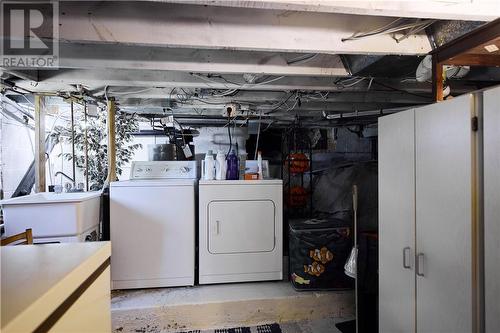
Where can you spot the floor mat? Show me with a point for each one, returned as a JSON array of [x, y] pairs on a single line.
[[270, 328]]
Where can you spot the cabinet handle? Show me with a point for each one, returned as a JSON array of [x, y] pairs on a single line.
[[406, 254], [217, 227], [419, 265]]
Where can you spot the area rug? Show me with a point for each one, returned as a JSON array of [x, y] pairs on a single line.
[[270, 328]]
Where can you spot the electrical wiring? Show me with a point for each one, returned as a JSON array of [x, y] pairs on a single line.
[[264, 82], [258, 136], [227, 92], [120, 93], [239, 85], [229, 133], [268, 126], [415, 30], [208, 80], [370, 84], [400, 90], [302, 59], [356, 79], [393, 27], [280, 104]]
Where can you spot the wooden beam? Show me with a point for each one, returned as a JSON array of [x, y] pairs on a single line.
[[40, 144], [437, 79], [468, 41], [155, 23], [111, 141], [475, 60]]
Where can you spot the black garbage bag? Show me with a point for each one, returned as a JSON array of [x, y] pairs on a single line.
[[319, 249]]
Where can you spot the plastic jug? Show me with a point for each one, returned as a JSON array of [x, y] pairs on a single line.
[[220, 166], [208, 166]]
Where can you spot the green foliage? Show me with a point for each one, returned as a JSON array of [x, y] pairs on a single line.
[[125, 124]]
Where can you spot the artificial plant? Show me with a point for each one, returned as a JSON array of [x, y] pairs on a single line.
[[97, 145]]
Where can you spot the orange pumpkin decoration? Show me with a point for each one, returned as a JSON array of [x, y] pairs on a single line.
[[299, 162]]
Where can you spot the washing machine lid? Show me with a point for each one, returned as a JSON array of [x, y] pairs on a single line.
[[242, 182], [154, 183]]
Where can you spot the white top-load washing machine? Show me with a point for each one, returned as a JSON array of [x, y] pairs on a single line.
[[240, 227], [152, 226]]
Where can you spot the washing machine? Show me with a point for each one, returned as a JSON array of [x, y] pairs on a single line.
[[240, 226], [152, 226]]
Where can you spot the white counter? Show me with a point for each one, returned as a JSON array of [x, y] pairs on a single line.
[[56, 287]]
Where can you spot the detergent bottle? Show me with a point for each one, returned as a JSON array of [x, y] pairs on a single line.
[[209, 166], [232, 166], [220, 166]]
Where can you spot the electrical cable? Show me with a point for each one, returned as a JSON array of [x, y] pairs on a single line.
[[391, 28], [118, 93], [258, 135], [280, 104], [400, 90], [302, 59], [229, 133]]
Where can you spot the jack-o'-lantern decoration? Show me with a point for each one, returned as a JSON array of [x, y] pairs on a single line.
[[299, 162]]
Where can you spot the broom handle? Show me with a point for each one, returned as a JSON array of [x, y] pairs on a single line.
[[355, 213]]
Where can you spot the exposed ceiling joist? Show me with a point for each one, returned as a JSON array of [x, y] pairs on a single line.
[[67, 80], [473, 10], [480, 47], [77, 55], [310, 109], [208, 27], [162, 97]]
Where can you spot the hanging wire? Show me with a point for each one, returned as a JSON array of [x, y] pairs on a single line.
[[397, 25]]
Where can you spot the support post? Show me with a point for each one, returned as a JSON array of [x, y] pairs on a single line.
[[111, 141], [86, 147], [437, 79], [40, 144]]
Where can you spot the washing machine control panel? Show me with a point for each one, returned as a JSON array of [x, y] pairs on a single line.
[[163, 170]]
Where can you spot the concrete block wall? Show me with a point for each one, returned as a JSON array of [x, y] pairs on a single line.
[[16, 153]]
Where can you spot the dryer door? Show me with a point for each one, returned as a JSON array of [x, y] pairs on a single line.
[[241, 226]]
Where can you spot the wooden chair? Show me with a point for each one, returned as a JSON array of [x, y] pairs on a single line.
[[27, 235]]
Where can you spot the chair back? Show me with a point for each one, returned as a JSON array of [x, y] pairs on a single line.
[[19, 239]]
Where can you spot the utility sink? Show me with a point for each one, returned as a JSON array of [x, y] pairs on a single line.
[[52, 214]]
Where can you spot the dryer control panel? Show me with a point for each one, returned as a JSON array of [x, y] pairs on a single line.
[[163, 170]]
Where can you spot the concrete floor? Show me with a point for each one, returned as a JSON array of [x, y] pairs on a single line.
[[230, 305]]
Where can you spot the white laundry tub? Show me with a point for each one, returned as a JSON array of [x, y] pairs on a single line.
[[53, 217]]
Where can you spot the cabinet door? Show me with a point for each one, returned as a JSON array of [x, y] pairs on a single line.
[[491, 132], [443, 216], [396, 222], [241, 226]]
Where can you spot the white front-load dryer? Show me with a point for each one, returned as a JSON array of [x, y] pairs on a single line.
[[240, 227]]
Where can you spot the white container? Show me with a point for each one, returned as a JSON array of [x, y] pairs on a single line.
[[52, 215], [259, 165], [220, 166], [208, 166]]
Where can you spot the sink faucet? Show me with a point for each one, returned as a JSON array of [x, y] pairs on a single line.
[[65, 175]]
